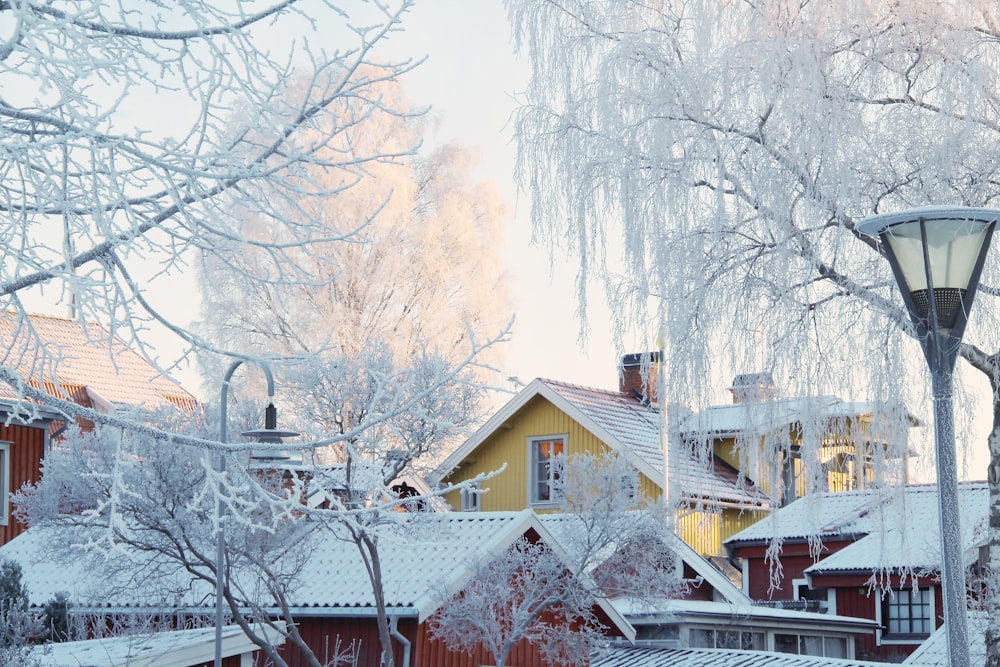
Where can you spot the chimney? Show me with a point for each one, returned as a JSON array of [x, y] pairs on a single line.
[[753, 387], [632, 379]]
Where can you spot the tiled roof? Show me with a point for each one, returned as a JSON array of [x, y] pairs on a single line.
[[84, 358], [569, 531], [895, 527], [635, 426], [421, 556], [704, 657], [934, 651]]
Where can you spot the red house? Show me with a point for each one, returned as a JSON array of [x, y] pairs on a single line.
[[71, 361], [872, 554], [431, 558]]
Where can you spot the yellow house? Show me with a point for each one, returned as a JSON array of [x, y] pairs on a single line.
[[789, 447], [550, 419]]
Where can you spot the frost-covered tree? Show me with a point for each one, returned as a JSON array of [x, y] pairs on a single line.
[[527, 593], [136, 136], [611, 543], [422, 261], [138, 510], [708, 163]]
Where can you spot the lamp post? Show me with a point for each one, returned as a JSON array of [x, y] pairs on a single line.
[[937, 255], [270, 435]]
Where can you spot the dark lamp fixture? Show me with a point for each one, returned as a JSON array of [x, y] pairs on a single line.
[[937, 255], [270, 435]]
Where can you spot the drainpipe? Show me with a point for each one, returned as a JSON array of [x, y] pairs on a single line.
[[398, 636]]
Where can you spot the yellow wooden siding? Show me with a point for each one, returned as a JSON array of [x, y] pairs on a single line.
[[705, 530], [509, 444]]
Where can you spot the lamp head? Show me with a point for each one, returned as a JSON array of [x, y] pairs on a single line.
[[937, 255], [272, 436]]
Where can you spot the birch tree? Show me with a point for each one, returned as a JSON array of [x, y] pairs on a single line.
[[709, 162], [134, 134]]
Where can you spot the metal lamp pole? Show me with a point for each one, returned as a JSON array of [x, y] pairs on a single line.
[[269, 434], [937, 255]]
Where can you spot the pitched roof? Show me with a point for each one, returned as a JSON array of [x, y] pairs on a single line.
[[627, 426], [565, 527], [424, 557], [934, 651], [705, 657], [83, 360], [894, 527]]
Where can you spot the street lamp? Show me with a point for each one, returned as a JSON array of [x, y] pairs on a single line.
[[269, 435], [937, 255]]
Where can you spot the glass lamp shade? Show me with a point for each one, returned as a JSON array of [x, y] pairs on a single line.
[[936, 252]]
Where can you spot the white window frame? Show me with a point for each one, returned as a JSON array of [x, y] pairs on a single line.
[[884, 638], [470, 498], [831, 595], [533, 465], [5, 482]]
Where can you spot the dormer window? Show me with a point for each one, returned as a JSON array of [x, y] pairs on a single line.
[[545, 459], [470, 498]]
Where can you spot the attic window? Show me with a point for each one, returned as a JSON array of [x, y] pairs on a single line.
[[545, 462], [470, 499]]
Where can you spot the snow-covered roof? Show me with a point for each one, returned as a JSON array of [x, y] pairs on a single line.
[[627, 426], [706, 657], [567, 528], [911, 538], [88, 360], [424, 557], [895, 527], [765, 416], [934, 651], [178, 648], [745, 612]]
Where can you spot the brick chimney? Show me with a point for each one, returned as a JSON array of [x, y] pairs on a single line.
[[632, 380], [753, 387]]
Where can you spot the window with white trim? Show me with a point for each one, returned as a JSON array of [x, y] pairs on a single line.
[[545, 460], [470, 498], [907, 614], [5, 482]]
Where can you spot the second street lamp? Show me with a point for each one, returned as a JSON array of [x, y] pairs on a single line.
[[937, 255], [268, 435]]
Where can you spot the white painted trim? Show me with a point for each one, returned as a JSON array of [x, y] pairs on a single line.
[[560, 459], [880, 639], [538, 387], [5, 489]]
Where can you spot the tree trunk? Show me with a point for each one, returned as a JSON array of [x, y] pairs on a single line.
[[993, 568]]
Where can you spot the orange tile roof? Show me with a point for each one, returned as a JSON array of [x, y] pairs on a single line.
[[83, 362]]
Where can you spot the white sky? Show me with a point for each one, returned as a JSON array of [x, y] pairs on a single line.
[[469, 80]]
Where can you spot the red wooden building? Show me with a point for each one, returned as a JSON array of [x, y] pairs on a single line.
[[872, 554]]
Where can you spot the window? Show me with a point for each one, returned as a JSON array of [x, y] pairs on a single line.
[[545, 458], [5, 482], [818, 645], [822, 600], [470, 498], [735, 639], [907, 613]]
